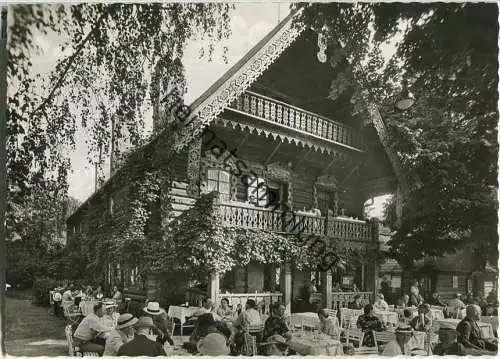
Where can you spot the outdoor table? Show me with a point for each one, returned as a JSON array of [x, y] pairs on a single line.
[[387, 317], [493, 320], [309, 320], [486, 328], [437, 314], [316, 344], [181, 313], [417, 340]]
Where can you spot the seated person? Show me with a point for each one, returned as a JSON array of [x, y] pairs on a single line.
[[276, 323], [407, 317], [356, 304], [249, 317], [380, 304], [469, 334], [404, 302], [213, 344], [207, 306], [436, 300], [401, 345], [448, 344], [162, 323], [123, 333], [98, 294], [422, 322], [455, 305], [142, 345], [206, 324], [86, 334], [328, 325], [368, 323], [224, 311]]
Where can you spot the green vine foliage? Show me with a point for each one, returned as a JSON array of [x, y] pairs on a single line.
[[197, 243]]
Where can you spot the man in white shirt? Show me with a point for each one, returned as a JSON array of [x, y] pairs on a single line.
[[249, 317], [86, 334], [380, 304]]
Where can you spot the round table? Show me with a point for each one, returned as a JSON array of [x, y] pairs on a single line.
[[318, 344]]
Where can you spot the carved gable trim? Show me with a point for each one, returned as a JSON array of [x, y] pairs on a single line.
[[238, 81]]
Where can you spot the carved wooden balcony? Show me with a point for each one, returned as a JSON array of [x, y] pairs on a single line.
[[348, 229], [289, 116], [244, 215]]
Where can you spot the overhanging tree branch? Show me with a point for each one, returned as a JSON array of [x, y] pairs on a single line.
[[71, 60]]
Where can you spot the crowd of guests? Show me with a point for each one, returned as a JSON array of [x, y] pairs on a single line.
[[466, 339], [130, 336], [71, 295]]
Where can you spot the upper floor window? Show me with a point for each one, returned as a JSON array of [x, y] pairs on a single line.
[[257, 191], [219, 181]]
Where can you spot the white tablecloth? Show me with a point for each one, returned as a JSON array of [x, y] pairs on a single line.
[[486, 328], [319, 344], [437, 314], [181, 313]]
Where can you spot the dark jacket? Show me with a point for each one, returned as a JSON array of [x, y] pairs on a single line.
[[469, 334], [141, 346]]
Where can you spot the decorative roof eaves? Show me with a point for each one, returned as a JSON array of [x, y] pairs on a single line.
[[238, 79]]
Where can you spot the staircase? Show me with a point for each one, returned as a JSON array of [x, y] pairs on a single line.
[[180, 199]]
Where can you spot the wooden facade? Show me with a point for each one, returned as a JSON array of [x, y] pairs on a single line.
[[258, 131]]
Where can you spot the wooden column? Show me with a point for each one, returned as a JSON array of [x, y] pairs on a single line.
[[214, 287], [286, 283], [193, 168], [326, 288], [362, 277]]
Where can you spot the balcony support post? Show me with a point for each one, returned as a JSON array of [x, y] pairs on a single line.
[[213, 287], [286, 283], [326, 288]]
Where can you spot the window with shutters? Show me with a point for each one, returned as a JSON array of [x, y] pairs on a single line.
[[219, 181]]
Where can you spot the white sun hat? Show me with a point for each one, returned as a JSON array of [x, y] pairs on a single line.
[[153, 308]]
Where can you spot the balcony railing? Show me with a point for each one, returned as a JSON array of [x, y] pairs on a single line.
[[342, 299], [349, 229], [290, 116], [234, 214]]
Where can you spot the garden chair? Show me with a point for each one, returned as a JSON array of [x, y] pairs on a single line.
[[331, 312], [383, 337], [358, 336], [72, 349], [72, 314]]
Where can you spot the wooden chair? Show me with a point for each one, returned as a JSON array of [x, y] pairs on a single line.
[[252, 338], [74, 350], [189, 323], [250, 348], [72, 314], [331, 312], [383, 337], [358, 335]]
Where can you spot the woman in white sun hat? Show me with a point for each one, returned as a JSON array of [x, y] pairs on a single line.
[[161, 321], [123, 333]]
